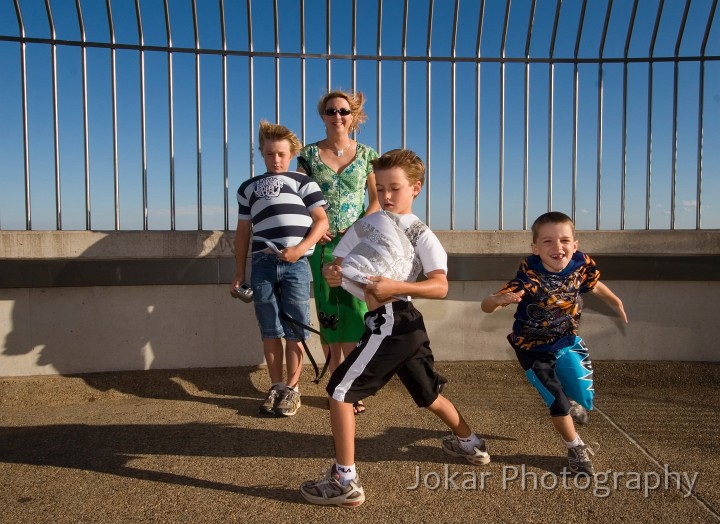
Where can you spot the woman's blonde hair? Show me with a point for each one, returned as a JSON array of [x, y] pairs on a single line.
[[276, 132], [356, 102]]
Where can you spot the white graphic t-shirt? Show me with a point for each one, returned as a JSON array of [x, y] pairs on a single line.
[[385, 244]]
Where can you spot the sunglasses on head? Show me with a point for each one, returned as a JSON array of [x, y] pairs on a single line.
[[341, 112]]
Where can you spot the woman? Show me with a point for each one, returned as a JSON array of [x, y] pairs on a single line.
[[341, 167]]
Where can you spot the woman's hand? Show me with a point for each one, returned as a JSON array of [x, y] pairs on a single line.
[[333, 275], [326, 238]]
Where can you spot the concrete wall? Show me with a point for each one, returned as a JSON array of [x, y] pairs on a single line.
[[65, 329]]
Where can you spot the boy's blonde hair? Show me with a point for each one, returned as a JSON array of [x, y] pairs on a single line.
[[552, 217], [355, 101], [406, 160], [274, 133]]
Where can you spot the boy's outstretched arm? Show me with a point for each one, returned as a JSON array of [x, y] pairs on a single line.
[[492, 303], [603, 293]]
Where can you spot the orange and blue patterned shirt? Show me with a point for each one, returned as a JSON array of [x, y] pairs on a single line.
[[548, 315]]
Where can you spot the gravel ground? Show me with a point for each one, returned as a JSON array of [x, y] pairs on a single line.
[[188, 446]]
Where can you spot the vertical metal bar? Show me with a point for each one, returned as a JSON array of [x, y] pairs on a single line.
[[277, 62], [601, 52], [328, 62], [428, 104], [501, 186], [623, 173], [86, 144], [302, 69], [453, 98], [676, 73], [576, 87], [477, 113], [526, 123], [56, 131], [171, 116], [648, 172], [354, 49], [403, 87], [226, 175], [198, 131], [116, 177], [26, 150], [143, 140], [551, 105], [379, 76], [701, 111], [251, 88], [701, 96]]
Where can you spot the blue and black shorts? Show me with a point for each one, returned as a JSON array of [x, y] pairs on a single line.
[[560, 375]]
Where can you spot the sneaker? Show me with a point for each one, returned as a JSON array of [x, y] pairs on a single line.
[[478, 456], [579, 459], [329, 491], [271, 401], [289, 404], [578, 413]]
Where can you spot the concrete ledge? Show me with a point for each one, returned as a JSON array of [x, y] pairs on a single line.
[[36, 259], [200, 244], [140, 301], [36, 273]]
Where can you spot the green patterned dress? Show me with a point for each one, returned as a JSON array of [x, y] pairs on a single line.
[[345, 193]]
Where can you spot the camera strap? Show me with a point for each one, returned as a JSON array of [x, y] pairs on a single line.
[[297, 328]]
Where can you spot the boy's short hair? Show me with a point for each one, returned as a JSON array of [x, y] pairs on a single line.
[[356, 102], [406, 160], [274, 133], [552, 217]]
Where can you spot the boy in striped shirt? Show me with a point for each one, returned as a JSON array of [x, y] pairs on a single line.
[[283, 213]]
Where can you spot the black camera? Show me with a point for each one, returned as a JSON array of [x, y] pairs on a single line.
[[244, 292], [328, 321]]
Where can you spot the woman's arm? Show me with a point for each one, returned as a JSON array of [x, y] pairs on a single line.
[[373, 202]]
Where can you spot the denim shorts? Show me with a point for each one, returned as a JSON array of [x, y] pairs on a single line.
[[270, 275]]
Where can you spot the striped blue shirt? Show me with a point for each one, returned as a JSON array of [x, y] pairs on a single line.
[[279, 205]]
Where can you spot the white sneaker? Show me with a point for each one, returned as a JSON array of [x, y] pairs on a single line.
[[271, 401], [328, 491], [478, 456], [289, 404]]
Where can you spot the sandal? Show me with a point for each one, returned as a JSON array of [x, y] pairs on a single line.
[[359, 407]]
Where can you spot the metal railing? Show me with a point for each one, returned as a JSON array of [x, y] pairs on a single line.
[[534, 159]]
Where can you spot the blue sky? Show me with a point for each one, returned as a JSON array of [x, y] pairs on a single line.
[[383, 132]]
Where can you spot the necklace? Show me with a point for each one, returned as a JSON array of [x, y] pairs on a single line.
[[340, 152]]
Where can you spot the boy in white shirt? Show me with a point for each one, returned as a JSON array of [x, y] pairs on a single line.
[[379, 258]]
